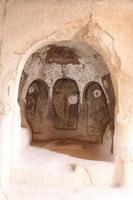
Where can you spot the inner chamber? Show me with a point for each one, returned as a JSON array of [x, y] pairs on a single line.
[[66, 93]]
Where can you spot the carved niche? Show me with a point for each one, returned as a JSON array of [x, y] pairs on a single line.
[[97, 110], [65, 104], [62, 115], [36, 105]]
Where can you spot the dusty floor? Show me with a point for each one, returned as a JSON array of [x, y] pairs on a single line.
[[83, 150], [45, 172]]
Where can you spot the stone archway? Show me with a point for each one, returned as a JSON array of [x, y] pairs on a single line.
[[113, 40], [70, 77], [68, 67]]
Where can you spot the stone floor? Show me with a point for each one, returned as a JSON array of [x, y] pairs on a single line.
[[54, 171]]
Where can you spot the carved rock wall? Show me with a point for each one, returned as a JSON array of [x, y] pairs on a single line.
[[78, 93], [29, 25]]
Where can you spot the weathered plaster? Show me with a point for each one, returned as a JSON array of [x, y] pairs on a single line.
[[106, 25], [78, 62]]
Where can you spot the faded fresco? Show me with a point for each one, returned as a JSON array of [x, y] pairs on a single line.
[[36, 104], [97, 110], [65, 104], [67, 93]]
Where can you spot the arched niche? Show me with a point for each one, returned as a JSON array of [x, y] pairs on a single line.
[[73, 63], [65, 104], [36, 105], [96, 110]]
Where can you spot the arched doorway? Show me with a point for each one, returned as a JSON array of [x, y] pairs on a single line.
[[96, 110], [36, 105], [65, 104]]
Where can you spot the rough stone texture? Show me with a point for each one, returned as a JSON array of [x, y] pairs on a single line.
[[41, 173], [73, 107], [106, 25]]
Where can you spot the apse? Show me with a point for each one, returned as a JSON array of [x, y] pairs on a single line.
[[66, 93]]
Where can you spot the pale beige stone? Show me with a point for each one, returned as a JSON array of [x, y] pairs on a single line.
[[26, 25]]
